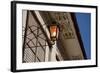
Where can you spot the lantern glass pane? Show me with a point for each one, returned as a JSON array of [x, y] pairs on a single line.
[[53, 31]]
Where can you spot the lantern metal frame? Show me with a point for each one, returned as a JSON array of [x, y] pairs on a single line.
[[54, 26]]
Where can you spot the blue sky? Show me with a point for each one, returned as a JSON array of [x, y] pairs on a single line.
[[84, 23]]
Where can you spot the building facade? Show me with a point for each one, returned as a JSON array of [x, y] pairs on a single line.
[[36, 38]]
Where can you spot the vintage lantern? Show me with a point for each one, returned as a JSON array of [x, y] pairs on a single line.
[[54, 31]]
